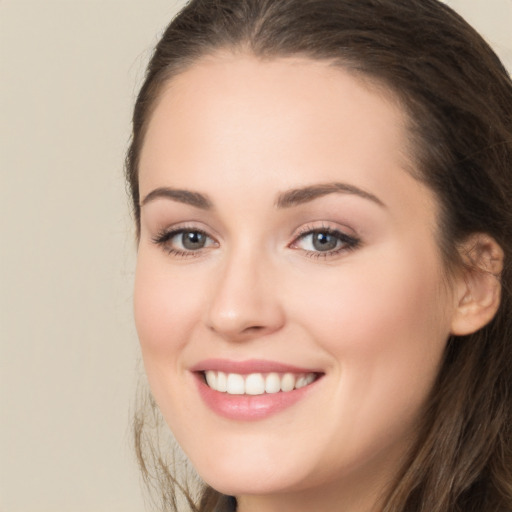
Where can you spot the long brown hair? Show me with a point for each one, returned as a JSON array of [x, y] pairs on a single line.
[[458, 97]]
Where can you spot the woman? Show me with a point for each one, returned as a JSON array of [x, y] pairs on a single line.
[[322, 194]]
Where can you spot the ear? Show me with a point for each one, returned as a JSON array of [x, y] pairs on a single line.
[[478, 289]]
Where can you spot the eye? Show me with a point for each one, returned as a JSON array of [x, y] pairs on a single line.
[[183, 241], [191, 240], [324, 242]]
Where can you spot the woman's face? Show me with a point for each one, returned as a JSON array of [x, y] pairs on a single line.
[[285, 245]]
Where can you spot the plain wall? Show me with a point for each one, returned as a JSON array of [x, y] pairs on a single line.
[[69, 72]]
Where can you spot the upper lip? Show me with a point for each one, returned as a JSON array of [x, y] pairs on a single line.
[[248, 366]]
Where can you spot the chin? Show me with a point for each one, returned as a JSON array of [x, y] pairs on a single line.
[[252, 481]]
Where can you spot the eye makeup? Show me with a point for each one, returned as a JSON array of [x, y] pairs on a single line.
[[314, 241], [184, 242], [324, 241]]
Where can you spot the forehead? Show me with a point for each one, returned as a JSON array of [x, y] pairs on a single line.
[[292, 120], [243, 89]]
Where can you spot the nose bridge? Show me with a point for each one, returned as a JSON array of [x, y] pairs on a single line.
[[244, 302]]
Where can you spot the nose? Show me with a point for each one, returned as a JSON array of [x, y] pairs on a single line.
[[245, 301]]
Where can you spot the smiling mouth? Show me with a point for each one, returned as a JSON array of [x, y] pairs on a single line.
[[257, 383]]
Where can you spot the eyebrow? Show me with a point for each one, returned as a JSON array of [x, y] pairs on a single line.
[[181, 196], [305, 194], [286, 199]]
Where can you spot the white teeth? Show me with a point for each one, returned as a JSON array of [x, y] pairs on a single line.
[[272, 383], [287, 382], [310, 377], [211, 379], [257, 383], [301, 382], [235, 385], [254, 384], [222, 382]]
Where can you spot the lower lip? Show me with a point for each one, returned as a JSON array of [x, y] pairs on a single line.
[[249, 407]]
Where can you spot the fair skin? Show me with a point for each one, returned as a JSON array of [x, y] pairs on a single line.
[[229, 270]]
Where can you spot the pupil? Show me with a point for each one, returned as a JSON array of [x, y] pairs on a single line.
[[193, 240], [324, 242]]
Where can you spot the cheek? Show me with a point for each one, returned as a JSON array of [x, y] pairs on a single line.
[[165, 308], [385, 326], [378, 303]]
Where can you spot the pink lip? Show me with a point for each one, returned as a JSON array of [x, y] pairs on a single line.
[[249, 366], [246, 407]]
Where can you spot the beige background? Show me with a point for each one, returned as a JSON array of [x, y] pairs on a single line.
[[69, 71]]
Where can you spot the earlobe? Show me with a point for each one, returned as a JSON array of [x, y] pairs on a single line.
[[478, 291]]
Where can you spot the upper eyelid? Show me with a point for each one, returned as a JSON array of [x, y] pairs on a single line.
[[172, 232], [302, 231], [313, 227], [330, 231], [350, 239], [188, 226]]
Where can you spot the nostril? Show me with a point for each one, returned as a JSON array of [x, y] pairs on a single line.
[[254, 328]]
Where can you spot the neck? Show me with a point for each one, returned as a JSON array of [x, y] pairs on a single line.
[[306, 501]]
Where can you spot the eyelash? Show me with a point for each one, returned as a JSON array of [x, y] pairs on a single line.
[[164, 237], [348, 242]]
